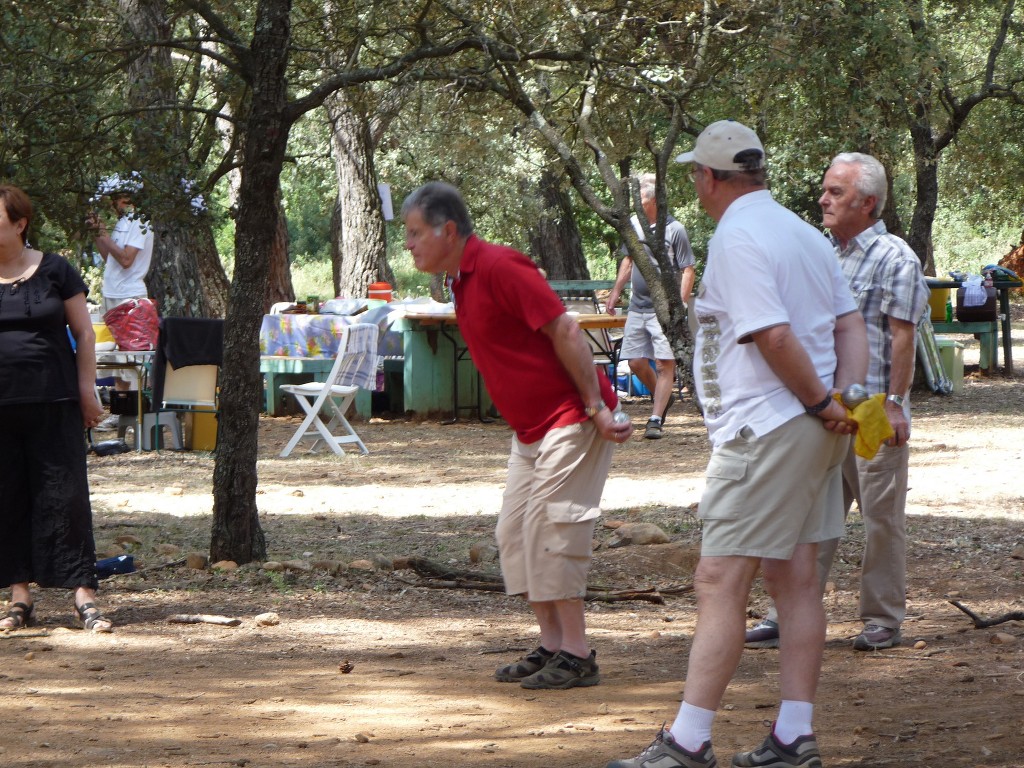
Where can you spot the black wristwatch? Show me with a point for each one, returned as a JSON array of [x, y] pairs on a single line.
[[814, 410]]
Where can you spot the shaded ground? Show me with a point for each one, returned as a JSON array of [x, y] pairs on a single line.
[[419, 692]]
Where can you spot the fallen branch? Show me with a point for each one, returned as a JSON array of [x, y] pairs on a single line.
[[440, 576], [16, 634], [435, 570], [203, 618], [980, 623]]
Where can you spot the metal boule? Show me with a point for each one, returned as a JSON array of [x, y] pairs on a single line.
[[854, 395], [620, 417]]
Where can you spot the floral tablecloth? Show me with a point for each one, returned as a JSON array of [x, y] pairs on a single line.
[[315, 335]]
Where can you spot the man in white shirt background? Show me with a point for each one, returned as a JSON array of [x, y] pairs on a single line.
[[127, 252]]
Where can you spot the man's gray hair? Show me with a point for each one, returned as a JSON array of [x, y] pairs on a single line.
[[870, 181], [648, 186], [439, 203]]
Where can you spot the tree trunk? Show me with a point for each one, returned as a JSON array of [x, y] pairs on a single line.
[[173, 280], [555, 242], [891, 216], [926, 168], [279, 285], [236, 533], [213, 280], [358, 237]]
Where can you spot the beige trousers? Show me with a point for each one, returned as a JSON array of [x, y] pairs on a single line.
[[880, 488]]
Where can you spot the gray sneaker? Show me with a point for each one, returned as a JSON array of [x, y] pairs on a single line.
[[564, 670], [111, 422], [664, 752], [654, 429], [875, 637], [771, 754], [532, 662], [764, 634]]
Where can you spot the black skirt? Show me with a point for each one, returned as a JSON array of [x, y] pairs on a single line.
[[45, 516]]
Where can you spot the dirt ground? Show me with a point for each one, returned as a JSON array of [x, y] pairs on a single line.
[[371, 667]]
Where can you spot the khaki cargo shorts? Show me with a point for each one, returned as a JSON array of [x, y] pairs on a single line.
[[764, 495], [551, 502]]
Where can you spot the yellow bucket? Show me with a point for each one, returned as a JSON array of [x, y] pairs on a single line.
[[937, 301], [204, 431]]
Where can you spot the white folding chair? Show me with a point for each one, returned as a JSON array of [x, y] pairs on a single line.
[[354, 367]]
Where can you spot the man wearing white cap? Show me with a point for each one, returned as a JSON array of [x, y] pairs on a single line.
[[778, 335]]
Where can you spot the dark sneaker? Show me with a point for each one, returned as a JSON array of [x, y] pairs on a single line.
[[654, 430], [771, 754], [875, 637], [665, 753], [564, 670], [532, 662], [764, 634]]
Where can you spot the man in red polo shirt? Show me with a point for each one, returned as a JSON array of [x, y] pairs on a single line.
[[540, 373]]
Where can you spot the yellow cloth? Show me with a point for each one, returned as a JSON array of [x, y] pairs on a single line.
[[873, 427], [102, 332]]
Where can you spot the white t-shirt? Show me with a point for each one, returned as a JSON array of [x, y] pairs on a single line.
[[121, 283], [766, 267]]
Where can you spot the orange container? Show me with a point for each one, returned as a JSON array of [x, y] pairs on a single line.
[[379, 291]]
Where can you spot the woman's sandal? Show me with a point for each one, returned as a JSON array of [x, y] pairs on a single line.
[[93, 619], [20, 615]]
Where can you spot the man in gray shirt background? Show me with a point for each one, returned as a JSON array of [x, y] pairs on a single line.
[[643, 338]]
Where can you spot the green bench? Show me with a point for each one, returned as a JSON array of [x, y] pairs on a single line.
[[986, 332]]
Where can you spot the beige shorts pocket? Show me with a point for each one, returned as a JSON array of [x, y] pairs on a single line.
[[570, 512], [724, 488], [726, 468], [572, 540]]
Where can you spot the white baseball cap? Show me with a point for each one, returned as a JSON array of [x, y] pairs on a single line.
[[726, 145]]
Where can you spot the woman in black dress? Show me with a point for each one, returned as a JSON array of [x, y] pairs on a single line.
[[47, 395]]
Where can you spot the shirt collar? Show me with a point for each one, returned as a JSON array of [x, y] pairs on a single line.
[[743, 201], [865, 239], [466, 264], [469, 255]]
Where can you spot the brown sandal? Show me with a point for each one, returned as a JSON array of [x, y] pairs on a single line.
[[20, 615], [93, 619]]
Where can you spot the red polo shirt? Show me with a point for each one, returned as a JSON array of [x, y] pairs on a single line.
[[502, 301]]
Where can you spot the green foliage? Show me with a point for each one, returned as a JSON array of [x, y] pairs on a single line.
[[308, 189], [965, 244], [312, 277], [411, 282], [279, 581]]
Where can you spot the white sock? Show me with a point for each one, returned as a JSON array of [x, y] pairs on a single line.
[[692, 727], [794, 721]]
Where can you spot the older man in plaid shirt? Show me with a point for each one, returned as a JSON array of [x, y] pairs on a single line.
[[889, 287]]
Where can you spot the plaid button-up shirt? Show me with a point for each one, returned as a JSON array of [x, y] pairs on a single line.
[[886, 279]]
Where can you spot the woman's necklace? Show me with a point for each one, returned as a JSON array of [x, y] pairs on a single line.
[[11, 287], [20, 273]]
